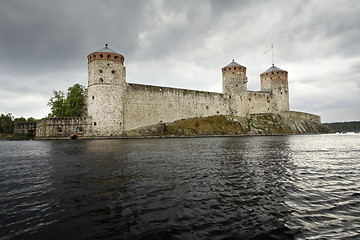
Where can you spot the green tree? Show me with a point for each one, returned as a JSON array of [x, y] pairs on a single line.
[[20, 119], [57, 104], [31, 119], [73, 105], [6, 123], [75, 101]]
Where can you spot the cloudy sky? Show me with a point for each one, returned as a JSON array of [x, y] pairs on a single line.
[[183, 44]]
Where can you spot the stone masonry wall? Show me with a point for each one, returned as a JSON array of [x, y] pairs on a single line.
[[22, 128], [259, 102], [63, 127], [147, 105], [303, 115]]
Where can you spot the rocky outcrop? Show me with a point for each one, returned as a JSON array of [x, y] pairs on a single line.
[[256, 124]]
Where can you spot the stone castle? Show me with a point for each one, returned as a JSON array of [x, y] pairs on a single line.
[[115, 107]]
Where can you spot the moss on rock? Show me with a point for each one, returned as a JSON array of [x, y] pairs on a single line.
[[256, 124]]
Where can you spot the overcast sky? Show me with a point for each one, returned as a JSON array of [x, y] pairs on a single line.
[[183, 44]]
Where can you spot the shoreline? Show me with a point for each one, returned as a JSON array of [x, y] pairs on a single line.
[[158, 137]]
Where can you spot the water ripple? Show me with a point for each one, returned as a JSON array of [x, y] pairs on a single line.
[[289, 187]]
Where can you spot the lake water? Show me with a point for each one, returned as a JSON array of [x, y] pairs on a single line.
[[263, 187]]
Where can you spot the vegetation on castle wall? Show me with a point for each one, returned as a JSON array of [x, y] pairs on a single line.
[[73, 104]]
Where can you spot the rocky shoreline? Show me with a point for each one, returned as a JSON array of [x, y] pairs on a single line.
[[221, 125], [214, 126]]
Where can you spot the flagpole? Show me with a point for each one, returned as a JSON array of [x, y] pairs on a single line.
[[272, 53]]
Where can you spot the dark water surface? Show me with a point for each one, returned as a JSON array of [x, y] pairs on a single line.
[[284, 187]]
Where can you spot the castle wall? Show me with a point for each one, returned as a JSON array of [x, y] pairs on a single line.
[[147, 105], [22, 128], [303, 115], [63, 127], [259, 102]]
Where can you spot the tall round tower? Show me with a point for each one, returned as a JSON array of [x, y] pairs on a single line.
[[106, 89], [234, 84], [234, 78], [275, 80]]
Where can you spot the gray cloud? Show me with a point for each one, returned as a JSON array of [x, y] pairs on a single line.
[[44, 44]]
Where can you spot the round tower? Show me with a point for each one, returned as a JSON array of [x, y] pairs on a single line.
[[234, 78], [234, 85], [275, 80], [106, 90]]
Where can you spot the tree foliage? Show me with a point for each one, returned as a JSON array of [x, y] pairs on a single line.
[[6, 123], [71, 105], [20, 119], [76, 101], [57, 104], [345, 126]]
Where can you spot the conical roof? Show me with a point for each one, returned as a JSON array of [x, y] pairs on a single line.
[[232, 64], [107, 50], [273, 68]]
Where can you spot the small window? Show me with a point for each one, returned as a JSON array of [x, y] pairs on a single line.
[[108, 56], [101, 80], [113, 71], [116, 57], [94, 123], [100, 71], [108, 64], [94, 55], [207, 107], [93, 97], [101, 55], [234, 68]]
